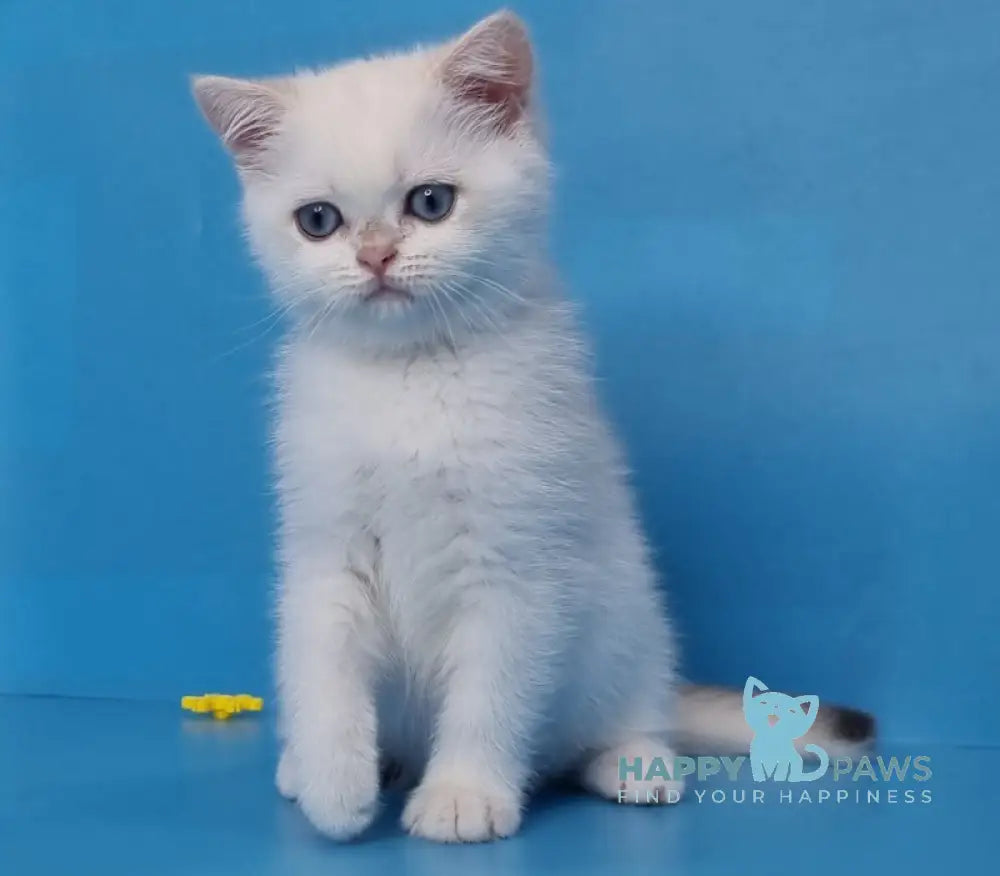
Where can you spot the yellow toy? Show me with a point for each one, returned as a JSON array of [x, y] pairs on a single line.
[[222, 706]]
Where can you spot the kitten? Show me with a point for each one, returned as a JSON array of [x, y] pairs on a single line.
[[466, 593], [777, 721]]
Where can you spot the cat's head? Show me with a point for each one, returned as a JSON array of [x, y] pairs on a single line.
[[399, 198], [774, 714]]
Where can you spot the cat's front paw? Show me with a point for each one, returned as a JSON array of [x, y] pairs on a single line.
[[338, 794], [450, 811]]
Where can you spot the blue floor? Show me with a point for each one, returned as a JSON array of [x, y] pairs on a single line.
[[113, 787]]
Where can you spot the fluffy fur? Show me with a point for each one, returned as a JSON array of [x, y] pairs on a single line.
[[466, 593]]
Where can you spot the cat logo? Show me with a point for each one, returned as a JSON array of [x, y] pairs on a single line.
[[777, 720]]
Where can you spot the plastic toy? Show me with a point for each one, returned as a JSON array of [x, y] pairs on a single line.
[[222, 706]]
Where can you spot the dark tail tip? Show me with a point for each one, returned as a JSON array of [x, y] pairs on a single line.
[[853, 725]]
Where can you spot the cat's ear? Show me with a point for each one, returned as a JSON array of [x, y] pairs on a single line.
[[492, 66], [243, 112], [752, 688], [809, 706]]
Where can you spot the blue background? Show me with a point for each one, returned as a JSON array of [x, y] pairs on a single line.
[[780, 219]]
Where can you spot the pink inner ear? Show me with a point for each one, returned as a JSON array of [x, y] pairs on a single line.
[[244, 113], [492, 66], [250, 135], [508, 99]]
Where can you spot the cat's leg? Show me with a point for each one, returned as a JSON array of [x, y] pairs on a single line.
[[638, 766], [638, 771], [325, 665], [757, 768], [628, 699], [473, 787], [286, 778]]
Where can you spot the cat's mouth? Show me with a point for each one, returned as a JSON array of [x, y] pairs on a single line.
[[772, 720], [387, 292]]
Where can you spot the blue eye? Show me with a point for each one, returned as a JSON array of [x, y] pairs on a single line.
[[431, 202], [318, 220]]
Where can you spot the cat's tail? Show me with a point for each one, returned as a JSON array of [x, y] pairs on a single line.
[[710, 721]]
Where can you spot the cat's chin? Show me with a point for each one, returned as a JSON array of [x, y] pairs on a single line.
[[386, 293], [384, 323], [387, 305]]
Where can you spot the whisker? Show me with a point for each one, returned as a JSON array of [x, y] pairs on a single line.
[[482, 309], [457, 304], [434, 299], [273, 319]]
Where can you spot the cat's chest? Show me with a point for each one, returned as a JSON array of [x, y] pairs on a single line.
[[422, 414], [402, 419]]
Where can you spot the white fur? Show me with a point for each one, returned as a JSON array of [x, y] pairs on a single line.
[[465, 588]]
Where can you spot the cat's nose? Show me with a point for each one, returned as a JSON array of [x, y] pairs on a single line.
[[377, 255], [772, 719]]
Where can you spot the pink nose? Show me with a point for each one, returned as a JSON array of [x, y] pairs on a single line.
[[376, 256]]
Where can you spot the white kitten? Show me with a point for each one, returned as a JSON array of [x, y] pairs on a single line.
[[466, 593]]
